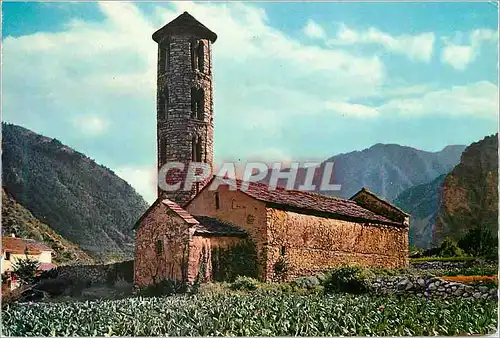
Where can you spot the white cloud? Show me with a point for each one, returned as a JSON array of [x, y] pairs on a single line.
[[478, 99], [91, 125], [313, 30], [142, 179], [416, 47], [459, 55], [351, 110]]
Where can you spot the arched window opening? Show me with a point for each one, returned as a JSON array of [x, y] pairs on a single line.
[[161, 107], [197, 98], [201, 56], [163, 151], [201, 99], [196, 149]]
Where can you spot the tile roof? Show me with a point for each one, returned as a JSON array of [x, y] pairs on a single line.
[[185, 23], [213, 226], [308, 201], [46, 266], [179, 211], [389, 204], [17, 245]]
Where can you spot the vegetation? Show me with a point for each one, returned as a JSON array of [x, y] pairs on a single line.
[[480, 241], [253, 315], [19, 221], [25, 269], [238, 260], [245, 283], [84, 202], [350, 279]]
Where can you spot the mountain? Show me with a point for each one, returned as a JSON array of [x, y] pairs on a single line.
[[385, 169], [84, 202], [469, 193], [19, 221], [422, 203]]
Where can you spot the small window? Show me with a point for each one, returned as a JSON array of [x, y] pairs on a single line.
[[217, 200], [197, 102], [163, 151], [283, 250], [201, 56], [196, 149], [159, 247], [161, 107], [7, 256], [162, 57]]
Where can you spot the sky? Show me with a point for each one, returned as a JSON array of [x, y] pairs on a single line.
[[296, 81]]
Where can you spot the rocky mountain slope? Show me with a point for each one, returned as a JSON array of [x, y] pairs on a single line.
[[19, 221], [422, 203], [469, 193], [84, 202], [385, 169]]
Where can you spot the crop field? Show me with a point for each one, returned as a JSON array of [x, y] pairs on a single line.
[[232, 314]]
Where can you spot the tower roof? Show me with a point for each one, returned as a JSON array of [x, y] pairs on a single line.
[[185, 23]]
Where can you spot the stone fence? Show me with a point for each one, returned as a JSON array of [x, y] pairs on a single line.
[[431, 287], [449, 265], [94, 274]]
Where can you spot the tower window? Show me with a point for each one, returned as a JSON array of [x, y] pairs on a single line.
[[159, 247], [201, 56], [217, 200], [161, 107], [7, 256], [163, 151], [196, 149], [283, 250], [197, 103]]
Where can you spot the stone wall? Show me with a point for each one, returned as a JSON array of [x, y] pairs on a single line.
[[95, 274], [450, 265], [152, 265], [431, 287], [311, 244], [176, 126], [201, 247], [240, 210]]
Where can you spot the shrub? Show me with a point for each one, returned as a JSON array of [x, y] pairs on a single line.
[[480, 241], [281, 268], [449, 248], [307, 282], [165, 287], [26, 270], [350, 279], [245, 283]]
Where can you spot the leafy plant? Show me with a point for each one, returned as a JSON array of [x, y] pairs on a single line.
[[350, 279], [255, 314], [238, 260], [450, 248], [245, 283], [281, 268], [25, 269]]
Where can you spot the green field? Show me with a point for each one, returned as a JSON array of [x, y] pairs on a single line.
[[233, 314]]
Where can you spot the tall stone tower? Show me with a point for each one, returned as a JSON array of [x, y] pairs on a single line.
[[184, 101]]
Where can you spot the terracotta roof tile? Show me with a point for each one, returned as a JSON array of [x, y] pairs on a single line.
[[179, 211], [20, 245], [214, 226], [308, 201]]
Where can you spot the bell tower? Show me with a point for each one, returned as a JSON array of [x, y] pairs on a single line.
[[184, 100]]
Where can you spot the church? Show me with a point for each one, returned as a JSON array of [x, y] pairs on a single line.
[[206, 234]]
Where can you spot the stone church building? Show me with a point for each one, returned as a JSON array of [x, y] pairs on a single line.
[[217, 234]]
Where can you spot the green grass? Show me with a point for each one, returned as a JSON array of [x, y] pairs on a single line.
[[254, 314], [442, 259]]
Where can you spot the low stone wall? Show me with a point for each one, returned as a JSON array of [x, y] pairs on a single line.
[[431, 287], [451, 265], [95, 274]]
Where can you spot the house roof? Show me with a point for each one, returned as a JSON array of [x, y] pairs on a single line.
[[368, 192], [184, 23], [179, 211], [17, 245], [213, 226], [308, 202]]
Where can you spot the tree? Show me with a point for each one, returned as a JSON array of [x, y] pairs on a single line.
[[25, 269]]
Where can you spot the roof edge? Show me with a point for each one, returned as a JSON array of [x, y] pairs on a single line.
[[365, 190]]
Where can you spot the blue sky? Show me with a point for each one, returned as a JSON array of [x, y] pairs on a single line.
[[293, 81]]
